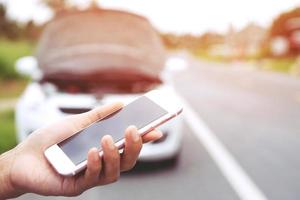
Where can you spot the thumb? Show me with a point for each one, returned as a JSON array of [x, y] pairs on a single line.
[[70, 125]]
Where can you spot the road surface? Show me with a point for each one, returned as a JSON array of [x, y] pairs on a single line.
[[254, 114]]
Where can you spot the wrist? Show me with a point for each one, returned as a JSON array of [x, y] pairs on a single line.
[[6, 190]]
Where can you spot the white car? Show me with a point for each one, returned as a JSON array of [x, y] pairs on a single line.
[[60, 87]]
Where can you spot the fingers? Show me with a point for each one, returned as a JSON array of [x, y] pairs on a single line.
[[75, 123], [91, 175], [85, 119], [107, 170], [94, 166], [133, 146], [111, 158], [152, 136]]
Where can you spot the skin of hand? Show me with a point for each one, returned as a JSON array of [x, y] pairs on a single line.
[[25, 169]]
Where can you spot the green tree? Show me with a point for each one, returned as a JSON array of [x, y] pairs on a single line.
[[280, 26]]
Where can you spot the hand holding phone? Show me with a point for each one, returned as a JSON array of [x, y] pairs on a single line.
[[25, 169], [68, 157]]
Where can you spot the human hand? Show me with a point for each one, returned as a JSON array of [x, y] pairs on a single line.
[[25, 168]]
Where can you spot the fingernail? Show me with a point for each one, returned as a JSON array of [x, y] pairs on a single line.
[[160, 134], [134, 134], [110, 142]]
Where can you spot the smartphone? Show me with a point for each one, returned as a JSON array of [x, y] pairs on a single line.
[[147, 112]]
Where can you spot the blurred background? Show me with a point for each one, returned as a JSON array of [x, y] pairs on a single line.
[[236, 67]]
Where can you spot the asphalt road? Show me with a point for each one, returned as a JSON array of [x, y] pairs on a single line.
[[256, 115]]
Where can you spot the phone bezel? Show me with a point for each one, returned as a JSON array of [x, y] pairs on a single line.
[[63, 164]]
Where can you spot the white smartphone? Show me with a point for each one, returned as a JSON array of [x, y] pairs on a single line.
[[149, 111]]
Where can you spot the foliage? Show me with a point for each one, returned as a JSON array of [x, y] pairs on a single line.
[[203, 54], [14, 31], [280, 26], [8, 28], [7, 131]]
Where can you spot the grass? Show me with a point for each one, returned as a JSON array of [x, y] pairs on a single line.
[[11, 86], [7, 131], [278, 64], [10, 51], [202, 54]]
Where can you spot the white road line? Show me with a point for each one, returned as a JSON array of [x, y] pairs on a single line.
[[236, 176]]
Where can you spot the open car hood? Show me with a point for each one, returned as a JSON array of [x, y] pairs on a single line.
[[82, 42]]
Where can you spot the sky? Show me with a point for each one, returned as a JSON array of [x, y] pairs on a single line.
[[179, 16]]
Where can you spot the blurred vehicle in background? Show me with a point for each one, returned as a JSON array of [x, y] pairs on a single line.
[[90, 58]]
